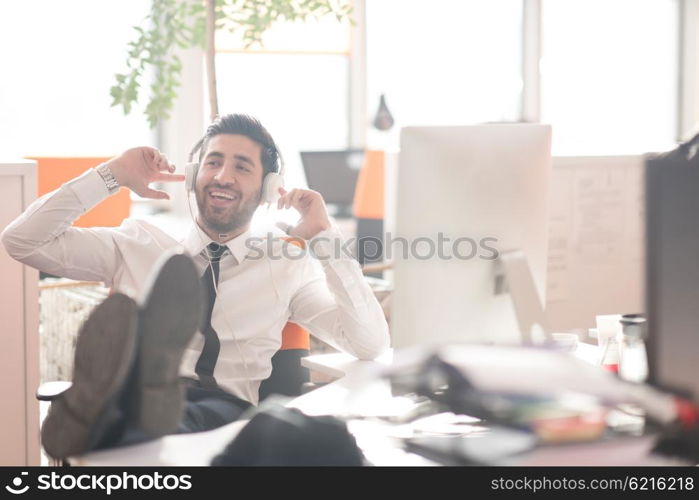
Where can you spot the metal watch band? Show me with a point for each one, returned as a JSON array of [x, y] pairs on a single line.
[[109, 180]]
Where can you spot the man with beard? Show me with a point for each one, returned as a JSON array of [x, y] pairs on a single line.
[[131, 358]]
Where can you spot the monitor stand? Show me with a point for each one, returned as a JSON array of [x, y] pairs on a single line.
[[513, 276]]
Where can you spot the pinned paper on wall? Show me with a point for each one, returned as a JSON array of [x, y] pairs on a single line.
[[596, 239], [560, 220], [598, 213]]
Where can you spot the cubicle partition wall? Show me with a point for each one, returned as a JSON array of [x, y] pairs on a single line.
[[19, 311], [596, 240]]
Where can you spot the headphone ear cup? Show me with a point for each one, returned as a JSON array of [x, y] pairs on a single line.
[[270, 187], [190, 176]]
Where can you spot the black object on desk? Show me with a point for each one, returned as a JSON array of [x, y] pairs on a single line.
[[672, 273], [280, 436]]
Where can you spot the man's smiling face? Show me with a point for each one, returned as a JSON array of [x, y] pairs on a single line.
[[228, 184]]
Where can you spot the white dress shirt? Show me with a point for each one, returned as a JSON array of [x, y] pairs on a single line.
[[258, 291]]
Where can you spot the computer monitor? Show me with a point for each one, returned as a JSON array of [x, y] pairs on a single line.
[[485, 189], [672, 271], [334, 175]]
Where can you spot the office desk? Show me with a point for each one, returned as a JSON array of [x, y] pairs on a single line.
[[198, 449], [377, 439]]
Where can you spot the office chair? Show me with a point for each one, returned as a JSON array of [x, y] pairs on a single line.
[[288, 376]]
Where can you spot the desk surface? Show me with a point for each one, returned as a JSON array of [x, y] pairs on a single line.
[[378, 440], [200, 448]]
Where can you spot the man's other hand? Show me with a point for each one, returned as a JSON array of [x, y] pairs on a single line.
[[136, 168], [311, 206]]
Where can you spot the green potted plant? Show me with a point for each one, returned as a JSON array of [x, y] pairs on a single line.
[[183, 24]]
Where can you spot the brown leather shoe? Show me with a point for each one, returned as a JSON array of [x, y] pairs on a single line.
[[169, 318], [104, 355]]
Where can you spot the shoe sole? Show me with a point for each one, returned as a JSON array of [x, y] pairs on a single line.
[[104, 355], [168, 320]]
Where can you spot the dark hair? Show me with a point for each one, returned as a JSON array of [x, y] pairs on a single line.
[[249, 127]]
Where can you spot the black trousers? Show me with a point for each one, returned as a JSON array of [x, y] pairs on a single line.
[[204, 409], [207, 409]]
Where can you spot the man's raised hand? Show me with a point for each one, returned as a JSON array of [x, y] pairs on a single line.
[[136, 168], [311, 206]]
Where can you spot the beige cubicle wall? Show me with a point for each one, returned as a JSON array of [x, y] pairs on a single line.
[[596, 253], [19, 316]]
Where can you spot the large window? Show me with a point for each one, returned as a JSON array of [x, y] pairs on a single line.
[[58, 63], [607, 78], [297, 84], [445, 62], [609, 75]]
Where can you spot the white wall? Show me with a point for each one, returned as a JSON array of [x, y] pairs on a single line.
[[690, 75]]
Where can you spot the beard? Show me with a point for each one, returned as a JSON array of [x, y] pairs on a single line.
[[226, 220]]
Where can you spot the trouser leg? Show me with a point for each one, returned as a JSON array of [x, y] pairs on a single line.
[[208, 409]]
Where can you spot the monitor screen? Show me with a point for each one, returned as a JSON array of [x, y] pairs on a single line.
[[333, 174]]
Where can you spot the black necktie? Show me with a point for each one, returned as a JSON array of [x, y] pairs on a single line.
[[209, 354]]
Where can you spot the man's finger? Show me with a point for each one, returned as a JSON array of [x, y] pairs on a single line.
[[169, 177], [291, 197], [281, 192], [154, 194], [280, 202], [296, 198], [160, 161], [164, 165], [148, 153]]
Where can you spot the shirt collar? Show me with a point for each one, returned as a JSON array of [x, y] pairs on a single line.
[[196, 241]]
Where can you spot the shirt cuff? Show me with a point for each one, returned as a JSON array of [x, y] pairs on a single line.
[[89, 188], [329, 245]]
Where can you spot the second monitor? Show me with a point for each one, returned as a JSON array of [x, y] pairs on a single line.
[[334, 175]]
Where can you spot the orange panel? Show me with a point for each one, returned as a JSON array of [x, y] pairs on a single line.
[[294, 337], [368, 195], [53, 172]]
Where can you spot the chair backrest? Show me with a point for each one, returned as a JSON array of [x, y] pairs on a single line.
[[288, 376]]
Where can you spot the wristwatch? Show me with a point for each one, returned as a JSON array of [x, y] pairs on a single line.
[[109, 180]]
